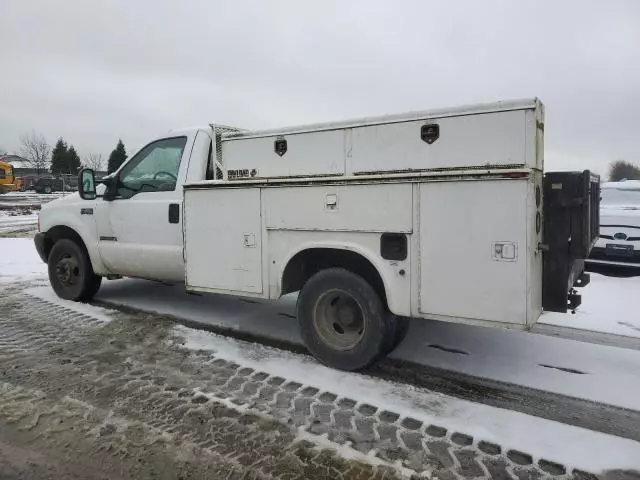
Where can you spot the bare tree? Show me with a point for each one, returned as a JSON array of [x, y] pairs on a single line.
[[94, 161], [35, 149]]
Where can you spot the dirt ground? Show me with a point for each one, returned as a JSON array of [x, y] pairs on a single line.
[[81, 398]]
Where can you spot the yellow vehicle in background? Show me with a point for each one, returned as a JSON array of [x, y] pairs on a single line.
[[8, 181]]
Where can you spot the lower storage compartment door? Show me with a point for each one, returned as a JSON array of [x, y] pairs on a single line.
[[473, 250], [223, 239]]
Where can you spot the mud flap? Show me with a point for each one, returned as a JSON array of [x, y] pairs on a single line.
[[571, 227]]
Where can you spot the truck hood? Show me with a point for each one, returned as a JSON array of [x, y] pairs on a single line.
[[620, 215], [62, 202]]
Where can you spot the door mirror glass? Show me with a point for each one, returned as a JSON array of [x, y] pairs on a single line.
[[87, 184]]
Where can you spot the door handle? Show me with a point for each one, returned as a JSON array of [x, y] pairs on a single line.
[[174, 213]]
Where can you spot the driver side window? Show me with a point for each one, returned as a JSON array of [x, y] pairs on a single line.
[[154, 169]]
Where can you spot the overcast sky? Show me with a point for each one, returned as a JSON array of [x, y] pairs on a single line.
[[94, 71]]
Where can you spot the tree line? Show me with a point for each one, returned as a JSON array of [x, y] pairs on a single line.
[[63, 157], [623, 170]]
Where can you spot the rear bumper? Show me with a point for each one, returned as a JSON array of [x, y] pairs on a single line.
[[38, 240]]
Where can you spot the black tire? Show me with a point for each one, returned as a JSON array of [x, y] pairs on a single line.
[[399, 327], [342, 320], [47, 189], [402, 328], [70, 272]]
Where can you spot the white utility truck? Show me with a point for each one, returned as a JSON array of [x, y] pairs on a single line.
[[442, 214]]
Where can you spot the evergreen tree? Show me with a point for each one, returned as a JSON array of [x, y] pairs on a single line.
[[73, 161], [59, 157], [621, 169], [117, 157]]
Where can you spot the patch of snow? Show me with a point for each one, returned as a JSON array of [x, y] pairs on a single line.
[[19, 261], [624, 185], [601, 373], [10, 222], [572, 446], [46, 293], [608, 306], [33, 195]]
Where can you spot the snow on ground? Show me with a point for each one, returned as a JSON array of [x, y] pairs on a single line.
[[610, 373], [47, 294], [608, 306], [17, 199], [10, 222], [597, 372], [19, 261], [570, 445], [12, 196]]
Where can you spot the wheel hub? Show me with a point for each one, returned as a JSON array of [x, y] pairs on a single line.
[[339, 320], [68, 271]]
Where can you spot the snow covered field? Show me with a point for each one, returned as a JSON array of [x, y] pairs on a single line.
[[17, 220], [18, 197], [610, 306], [601, 373], [19, 210], [19, 261]]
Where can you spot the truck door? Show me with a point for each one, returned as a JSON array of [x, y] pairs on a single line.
[[140, 224]]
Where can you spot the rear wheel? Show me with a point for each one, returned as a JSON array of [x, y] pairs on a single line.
[[47, 189], [342, 320], [399, 327], [70, 272]]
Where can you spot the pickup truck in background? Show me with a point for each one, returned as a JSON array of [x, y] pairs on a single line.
[[48, 185], [442, 214]]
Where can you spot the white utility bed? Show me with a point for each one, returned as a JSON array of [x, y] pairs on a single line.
[[494, 135], [465, 197]]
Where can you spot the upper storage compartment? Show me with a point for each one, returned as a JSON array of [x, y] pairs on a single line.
[[295, 155], [493, 136], [486, 140]]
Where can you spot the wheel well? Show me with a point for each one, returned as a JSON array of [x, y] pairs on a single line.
[[308, 262], [58, 233]]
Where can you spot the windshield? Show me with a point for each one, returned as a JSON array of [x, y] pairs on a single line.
[[616, 196]]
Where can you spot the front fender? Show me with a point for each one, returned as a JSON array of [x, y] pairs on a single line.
[[85, 228]]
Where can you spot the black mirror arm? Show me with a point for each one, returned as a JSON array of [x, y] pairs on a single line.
[[110, 181]]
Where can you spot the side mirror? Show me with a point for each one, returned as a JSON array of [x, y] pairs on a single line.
[[87, 184]]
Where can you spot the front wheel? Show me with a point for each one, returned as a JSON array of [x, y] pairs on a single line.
[[47, 189], [342, 320], [70, 272]]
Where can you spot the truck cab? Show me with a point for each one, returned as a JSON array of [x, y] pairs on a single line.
[[134, 227]]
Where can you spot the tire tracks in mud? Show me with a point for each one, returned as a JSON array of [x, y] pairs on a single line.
[[127, 375], [248, 421], [600, 417]]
